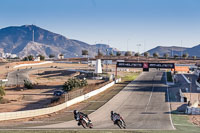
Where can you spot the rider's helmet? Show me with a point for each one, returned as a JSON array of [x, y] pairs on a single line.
[[111, 112], [75, 112]]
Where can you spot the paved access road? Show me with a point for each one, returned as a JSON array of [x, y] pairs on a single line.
[[143, 104], [17, 77]]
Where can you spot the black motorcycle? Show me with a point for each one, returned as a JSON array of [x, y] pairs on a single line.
[[118, 120], [85, 122]]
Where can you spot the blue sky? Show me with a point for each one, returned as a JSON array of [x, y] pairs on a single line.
[[121, 23]]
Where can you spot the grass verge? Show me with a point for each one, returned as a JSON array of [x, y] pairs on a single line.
[[130, 76]]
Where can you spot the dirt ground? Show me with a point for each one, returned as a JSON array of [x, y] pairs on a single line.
[[87, 107], [195, 119], [46, 81]]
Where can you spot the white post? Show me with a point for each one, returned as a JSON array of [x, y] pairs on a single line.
[[98, 66]]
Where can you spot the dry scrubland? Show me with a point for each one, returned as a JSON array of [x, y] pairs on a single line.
[[46, 80]]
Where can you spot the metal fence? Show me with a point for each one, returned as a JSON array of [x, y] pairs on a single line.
[[74, 94]]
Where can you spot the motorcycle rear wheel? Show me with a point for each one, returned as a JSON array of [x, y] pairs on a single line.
[[83, 123]]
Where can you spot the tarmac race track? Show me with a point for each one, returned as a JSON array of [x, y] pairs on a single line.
[[143, 104]]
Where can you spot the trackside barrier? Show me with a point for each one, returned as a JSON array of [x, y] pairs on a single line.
[[198, 84], [34, 64], [44, 111], [197, 72], [192, 111], [182, 95]]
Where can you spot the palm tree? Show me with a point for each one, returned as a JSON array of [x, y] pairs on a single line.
[[118, 53], [137, 54], [155, 55], [166, 55], [51, 56], [2, 91], [30, 58], [194, 57], [41, 57], [185, 56], [175, 56], [146, 54], [128, 53], [84, 52], [111, 53]]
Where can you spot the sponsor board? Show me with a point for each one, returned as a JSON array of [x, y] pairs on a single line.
[[146, 65], [161, 65], [130, 64]]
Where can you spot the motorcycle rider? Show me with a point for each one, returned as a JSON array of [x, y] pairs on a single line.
[[77, 115], [115, 116]]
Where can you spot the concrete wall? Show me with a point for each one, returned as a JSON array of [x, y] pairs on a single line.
[[192, 111], [34, 64], [198, 84], [38, 112], [196, 72]]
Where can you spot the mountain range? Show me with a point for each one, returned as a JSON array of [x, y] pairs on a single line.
[[30, 39], [173, 50]]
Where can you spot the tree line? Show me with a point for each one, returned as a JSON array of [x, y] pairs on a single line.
[[145, 54]]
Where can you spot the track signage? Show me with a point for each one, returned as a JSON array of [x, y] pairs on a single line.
[[145, 65], [130, 64], [161, 65]]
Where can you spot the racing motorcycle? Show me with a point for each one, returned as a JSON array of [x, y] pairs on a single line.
[[85, 122], [118, 120]]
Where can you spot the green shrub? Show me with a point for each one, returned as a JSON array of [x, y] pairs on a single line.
[[2, 91], [74, 83], [28, 84]]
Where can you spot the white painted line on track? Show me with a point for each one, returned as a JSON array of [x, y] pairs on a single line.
[[188, 81], [170, 115], [150, 95], [149, 99], [81, 129], [97, 101]]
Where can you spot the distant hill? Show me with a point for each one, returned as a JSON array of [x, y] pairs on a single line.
[[19, 40], [194, 51], [170, 50]]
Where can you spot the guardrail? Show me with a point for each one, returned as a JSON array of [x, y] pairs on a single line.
[[182, 95], [44, 111]]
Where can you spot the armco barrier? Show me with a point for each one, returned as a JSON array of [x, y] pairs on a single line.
[[198, 84], [44, 111], [34, 64]]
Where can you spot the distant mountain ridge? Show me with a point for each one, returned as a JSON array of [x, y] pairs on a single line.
[[19, 40], [174, 50]]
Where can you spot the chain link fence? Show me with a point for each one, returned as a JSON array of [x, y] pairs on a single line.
[[74, 94]]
